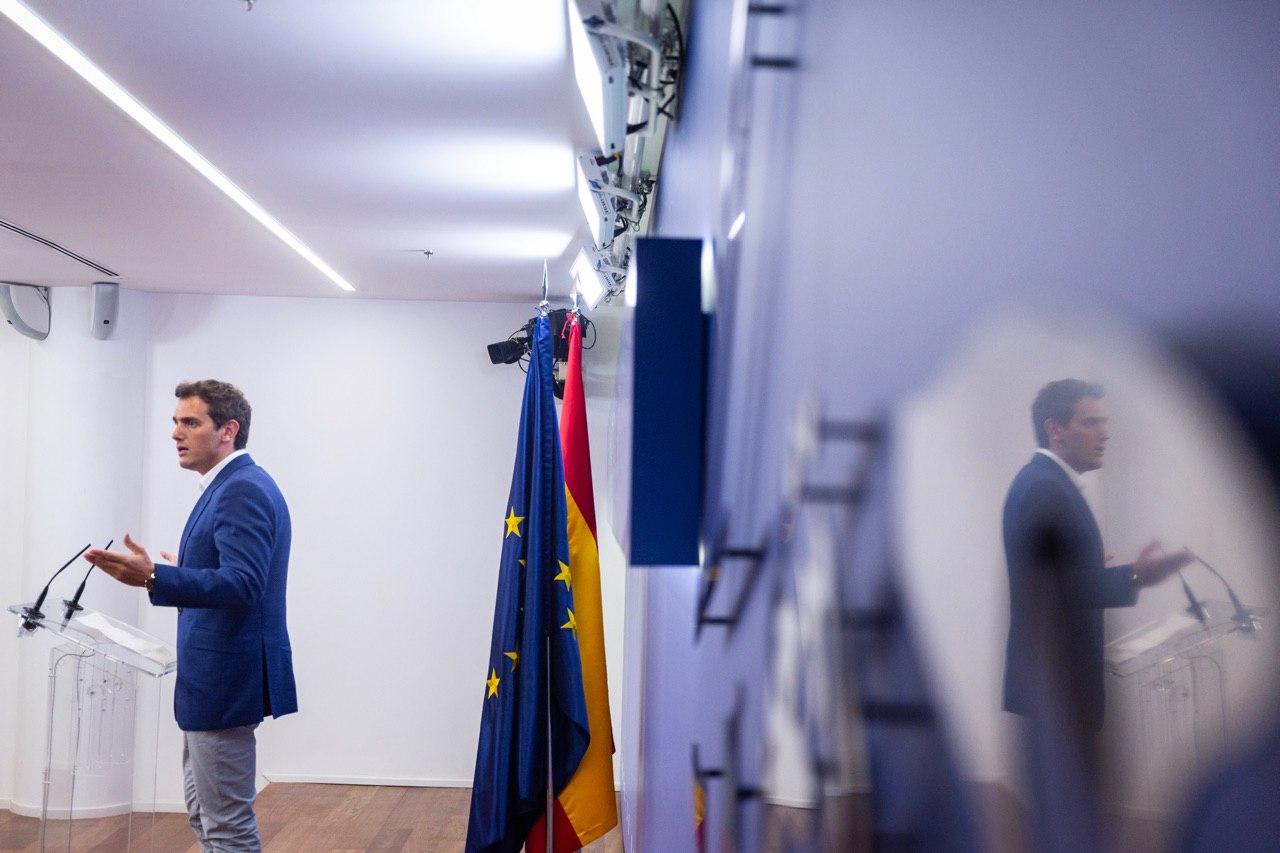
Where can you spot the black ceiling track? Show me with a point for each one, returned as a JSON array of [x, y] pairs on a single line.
[[17, 229]]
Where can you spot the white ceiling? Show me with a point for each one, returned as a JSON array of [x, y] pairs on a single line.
[[369, 129]]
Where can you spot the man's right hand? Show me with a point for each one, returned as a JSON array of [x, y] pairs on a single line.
[[170, 558], [1153, 565]]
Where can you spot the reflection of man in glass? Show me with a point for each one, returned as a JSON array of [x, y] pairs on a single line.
[[1058, 578]]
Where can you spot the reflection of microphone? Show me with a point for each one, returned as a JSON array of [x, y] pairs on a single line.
[[74, 604], [1245, 620], [32, 613], [1195, 607]]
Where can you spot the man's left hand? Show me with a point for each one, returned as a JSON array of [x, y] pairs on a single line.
[[133, 569]]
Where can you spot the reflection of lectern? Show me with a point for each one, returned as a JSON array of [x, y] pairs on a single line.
[[1173, 675], [91, 780]]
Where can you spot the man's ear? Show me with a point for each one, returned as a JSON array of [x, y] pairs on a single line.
[[230, 430], [1052, 428]]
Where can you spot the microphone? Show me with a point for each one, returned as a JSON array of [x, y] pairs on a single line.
[[1195, 607], [74, 604], [32, 613], [1245, 620]]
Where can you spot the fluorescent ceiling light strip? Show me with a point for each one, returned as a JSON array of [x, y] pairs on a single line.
[[58, 45]]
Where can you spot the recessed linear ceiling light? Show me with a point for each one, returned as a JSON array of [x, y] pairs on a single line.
[[55, 43]]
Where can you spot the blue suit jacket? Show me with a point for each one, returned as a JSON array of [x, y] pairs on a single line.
[[1058, 585], [235, 665]]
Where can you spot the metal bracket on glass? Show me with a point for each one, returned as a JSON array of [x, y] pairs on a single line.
[[879, 619], [898, 713], [857, 432], [827, 494], [753, 556]]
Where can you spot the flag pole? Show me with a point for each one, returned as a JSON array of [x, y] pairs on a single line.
[[544, 308], [551, 786]]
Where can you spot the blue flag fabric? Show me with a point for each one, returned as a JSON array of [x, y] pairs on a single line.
[[533, 615]]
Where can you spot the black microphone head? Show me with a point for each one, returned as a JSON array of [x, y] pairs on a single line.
[[74, 604], [35, 608]]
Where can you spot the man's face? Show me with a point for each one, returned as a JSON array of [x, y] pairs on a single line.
[[201, 445], [1082, 441]]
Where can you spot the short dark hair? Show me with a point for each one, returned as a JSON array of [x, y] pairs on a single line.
[[226, 402], [1057, 402]]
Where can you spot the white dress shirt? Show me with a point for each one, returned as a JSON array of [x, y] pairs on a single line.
[[213, 472], [1071, 472]]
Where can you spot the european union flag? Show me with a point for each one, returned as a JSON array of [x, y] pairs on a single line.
[[533, 662]]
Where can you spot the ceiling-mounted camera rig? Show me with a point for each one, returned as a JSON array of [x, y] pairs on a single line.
[[516, 348]]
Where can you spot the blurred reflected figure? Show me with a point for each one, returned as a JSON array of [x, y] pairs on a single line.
[[1058, 578]]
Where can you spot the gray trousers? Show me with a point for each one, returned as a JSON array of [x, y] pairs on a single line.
[[219, 774]]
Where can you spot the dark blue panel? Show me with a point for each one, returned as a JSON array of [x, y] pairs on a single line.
[[668, 404]]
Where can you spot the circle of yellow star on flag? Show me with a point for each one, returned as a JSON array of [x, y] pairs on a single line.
[[564, 576], [513, 522], [492, 682]]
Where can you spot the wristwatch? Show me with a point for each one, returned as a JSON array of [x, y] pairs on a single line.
[[150, 583]]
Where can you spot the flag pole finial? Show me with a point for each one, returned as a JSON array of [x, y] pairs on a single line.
[[544, 307]]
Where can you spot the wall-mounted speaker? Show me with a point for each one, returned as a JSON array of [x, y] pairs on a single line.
[[26, 308], [106, 305]]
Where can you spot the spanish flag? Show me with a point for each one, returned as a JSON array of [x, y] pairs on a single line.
[[533, 701], [587, 808]]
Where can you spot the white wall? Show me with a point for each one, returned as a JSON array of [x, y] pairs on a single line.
[[1174, 470], [392, 438], [14, 356], [80, 483]]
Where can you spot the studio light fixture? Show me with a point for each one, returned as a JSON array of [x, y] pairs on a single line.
[[627, 65], [53, 41], [609, 209], [600, 67], [593, 174], [595, 279], [589, 283], [597, 207]]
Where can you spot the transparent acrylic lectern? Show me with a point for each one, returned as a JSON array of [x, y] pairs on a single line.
[[95, 794], [1174, 673]]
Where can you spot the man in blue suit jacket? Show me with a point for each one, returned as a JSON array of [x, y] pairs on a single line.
[[228, 582], [1058, 578]]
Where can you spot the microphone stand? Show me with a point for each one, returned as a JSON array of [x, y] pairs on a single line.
[[32, 613], [73, 606], [1245, 620]]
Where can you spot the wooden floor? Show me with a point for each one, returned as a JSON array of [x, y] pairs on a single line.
[[292, 817]]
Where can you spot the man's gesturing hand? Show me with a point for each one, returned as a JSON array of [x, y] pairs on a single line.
[[132, 569], [1153, 565]]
